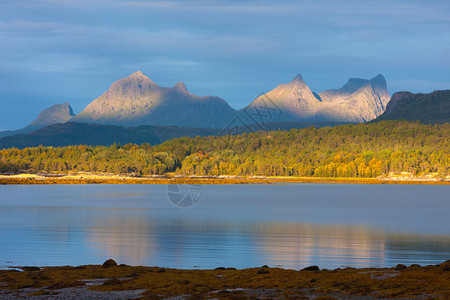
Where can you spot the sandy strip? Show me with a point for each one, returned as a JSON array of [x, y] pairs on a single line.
[[117, 179]]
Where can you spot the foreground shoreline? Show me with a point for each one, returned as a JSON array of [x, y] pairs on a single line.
[[123, 281], [170, 179]]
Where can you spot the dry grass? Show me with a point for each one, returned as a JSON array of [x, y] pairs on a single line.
[[430, 281], [115, 179]]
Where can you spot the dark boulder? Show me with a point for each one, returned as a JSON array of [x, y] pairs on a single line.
[[445, 265], [400, 267], [109, 263], [30, 268], [414, 267], [311, 268]]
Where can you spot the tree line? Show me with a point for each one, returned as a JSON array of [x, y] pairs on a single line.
[[361, 150]]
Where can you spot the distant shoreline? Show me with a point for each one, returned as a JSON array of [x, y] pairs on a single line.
[[171, 179]]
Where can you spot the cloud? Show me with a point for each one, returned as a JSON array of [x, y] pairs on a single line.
[[233, 49], [419, 86], [23, 25]]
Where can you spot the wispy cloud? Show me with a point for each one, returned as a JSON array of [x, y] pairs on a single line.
[[233, 49], [419, 86]]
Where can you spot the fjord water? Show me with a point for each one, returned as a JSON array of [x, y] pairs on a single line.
[[286, 225]]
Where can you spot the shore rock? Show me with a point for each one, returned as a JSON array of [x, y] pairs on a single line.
[[445, 265], [30, 268], [311, 268], [109, 263], [414, 267]]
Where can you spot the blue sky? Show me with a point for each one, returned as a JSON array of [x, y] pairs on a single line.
[[53, 51]]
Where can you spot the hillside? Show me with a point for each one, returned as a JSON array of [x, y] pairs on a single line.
[[362, 150], [426, 108], [73, 133]]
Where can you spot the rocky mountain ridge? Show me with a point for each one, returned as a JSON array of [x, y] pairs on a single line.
[[57, 113], [359, 100], [136, 100]]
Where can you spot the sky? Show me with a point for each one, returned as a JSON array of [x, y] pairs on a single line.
[[53, 51]]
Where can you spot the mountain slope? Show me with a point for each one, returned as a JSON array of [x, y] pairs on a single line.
[[426, 108], [58, 113], [137, 100], [73, 133], [359, 100], [293, 101]]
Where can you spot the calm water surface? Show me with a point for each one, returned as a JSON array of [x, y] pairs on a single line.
[[290, 225]]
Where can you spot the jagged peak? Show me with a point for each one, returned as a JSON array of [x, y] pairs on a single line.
[[357, 81], [132, 86], [66, 105], [180, 86], [379, 80], [60, 107], [298, 78], [379, 76], [297, 83], [57, 113], [138, 76], [354, 84]]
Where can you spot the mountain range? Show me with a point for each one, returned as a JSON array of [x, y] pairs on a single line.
[[135, 109], [359, 100], [137, 100]]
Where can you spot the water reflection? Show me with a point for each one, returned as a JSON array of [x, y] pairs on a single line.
[[122, 238], [186, 243], [137, 225], [306, 244]]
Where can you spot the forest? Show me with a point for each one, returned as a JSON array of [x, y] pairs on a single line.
[[361, 150]]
